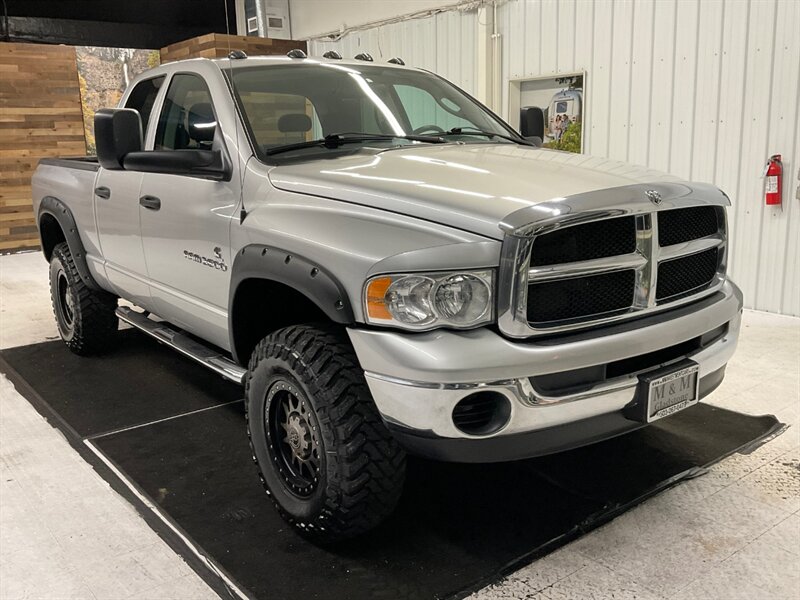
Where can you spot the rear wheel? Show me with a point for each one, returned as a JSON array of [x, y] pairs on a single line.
[[324, 455], [85, 317]]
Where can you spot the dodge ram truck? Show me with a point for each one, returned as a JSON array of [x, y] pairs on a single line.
[[387, 267]]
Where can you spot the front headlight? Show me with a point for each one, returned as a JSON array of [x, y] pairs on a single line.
[[426, 300]]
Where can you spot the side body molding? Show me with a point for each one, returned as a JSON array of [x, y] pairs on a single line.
[[63, 215], [258, 261]]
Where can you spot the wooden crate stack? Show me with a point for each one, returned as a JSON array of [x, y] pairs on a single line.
[[40, 115], [217, 45]]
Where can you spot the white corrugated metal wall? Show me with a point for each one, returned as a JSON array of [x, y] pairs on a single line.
[[444, 43], [706, 90]]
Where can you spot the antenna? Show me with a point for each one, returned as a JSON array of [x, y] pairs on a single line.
[[238, 54]]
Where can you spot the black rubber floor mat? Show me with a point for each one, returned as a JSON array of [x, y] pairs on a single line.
[[140, 381], [458, 526]]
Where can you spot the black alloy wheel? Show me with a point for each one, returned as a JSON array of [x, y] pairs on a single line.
[[64, 300], [293, 435], [85, 317]]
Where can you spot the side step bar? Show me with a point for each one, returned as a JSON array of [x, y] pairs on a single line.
[[207, 356]]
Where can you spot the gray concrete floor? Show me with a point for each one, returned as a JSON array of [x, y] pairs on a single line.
[[732, 533]]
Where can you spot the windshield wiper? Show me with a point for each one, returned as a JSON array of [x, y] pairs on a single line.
[[334, 140], [489, 134]]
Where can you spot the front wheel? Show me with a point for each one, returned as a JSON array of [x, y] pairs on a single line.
[[86, 319], [324, 455]]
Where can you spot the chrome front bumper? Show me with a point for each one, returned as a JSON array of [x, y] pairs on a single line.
[[417, 379]]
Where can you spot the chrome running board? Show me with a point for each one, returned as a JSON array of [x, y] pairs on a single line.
[[207, 356]]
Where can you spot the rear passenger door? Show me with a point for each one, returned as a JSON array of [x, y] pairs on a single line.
[[116, 203], [186, 220]]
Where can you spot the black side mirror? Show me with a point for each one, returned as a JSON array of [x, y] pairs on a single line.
[[200, 163], [202, 123], [117, 132], [294, 123], [531, 119]]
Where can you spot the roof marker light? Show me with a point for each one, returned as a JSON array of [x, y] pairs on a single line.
[[363, 56], [397, 61], [332, 54], [296, 53], [237, 54]]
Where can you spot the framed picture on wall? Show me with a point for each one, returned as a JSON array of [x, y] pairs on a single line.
[[562, 99]]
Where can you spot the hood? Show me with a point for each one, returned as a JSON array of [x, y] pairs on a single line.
[[466, 186]]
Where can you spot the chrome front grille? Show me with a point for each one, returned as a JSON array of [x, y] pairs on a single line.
[[583, 265], [648, 274]]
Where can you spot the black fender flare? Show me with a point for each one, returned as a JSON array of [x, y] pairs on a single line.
[[63, 215], [259, 261]]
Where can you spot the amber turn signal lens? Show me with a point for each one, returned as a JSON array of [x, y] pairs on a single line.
[[376, 298]]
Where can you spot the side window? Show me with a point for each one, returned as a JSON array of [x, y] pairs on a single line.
[[278, 119], [187, 118], [423, 109], [143, 97]]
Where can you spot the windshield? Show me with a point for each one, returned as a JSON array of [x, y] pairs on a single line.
[[292, 104]]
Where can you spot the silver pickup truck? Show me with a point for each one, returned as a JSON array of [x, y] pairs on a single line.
[[387, 267]]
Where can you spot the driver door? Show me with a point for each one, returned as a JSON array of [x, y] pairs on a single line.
[[116, 204], [186, 220]]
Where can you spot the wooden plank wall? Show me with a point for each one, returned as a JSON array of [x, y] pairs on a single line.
[[40, 115], [217, 45]]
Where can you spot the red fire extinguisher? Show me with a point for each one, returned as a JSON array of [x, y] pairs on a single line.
[[773, 184]]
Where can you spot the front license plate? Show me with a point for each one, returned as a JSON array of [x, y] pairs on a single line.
[[669, 393]]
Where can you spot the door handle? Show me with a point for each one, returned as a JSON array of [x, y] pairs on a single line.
[[150, 202], [102, 192]]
